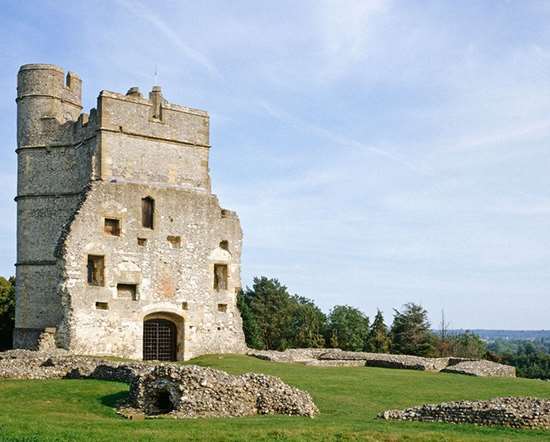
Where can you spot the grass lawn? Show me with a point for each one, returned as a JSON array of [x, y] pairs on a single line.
[[348, 398]]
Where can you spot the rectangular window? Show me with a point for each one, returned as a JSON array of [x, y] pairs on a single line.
[[112, 226], [184, 306], [147, 212], [96, 269], [102, 306], [128, 291], [222, 308], [220, 276], [142, 241]]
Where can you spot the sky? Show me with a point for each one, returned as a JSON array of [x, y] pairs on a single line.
[[378, 152]]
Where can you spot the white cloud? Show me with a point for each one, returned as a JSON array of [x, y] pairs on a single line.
[[170, 33], [346, 31]]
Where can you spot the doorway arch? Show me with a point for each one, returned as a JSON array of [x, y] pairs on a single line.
[[160, 340]]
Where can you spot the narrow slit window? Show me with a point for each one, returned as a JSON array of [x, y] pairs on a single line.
[[147, 212], [127, 291], [96, 270], [220, 276], [112, 226]]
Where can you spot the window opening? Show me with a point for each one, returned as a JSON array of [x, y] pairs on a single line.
[[147, 212], [220, 276], [127, 291], [96, 269], [175, 241], [112, 226]]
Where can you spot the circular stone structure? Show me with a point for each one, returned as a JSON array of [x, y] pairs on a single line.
[[192, 391]]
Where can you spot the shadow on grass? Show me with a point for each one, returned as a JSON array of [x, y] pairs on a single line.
[[113, 400]]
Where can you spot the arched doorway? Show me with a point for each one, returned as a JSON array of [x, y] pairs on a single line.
[[159, 340]]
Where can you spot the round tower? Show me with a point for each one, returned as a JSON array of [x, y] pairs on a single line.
[[47, 103], [43, 94]]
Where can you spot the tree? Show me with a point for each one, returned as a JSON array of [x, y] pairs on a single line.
[[347, 328], [270, 305], [378, 340], [251, 330], [443, 344], [7, 312], [411, 332], [308, 323], [275, 320], [467, 345]]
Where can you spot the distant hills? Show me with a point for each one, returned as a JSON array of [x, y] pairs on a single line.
[[492, 335]]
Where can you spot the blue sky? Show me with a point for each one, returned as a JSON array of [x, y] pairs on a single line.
[[377, 152]]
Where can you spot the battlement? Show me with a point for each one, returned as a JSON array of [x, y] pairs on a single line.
[[153, 118], [126, 138], [46, 100], [49, 112], [49, 81]]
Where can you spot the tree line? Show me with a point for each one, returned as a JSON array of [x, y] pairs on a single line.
[[531, 358], [273, 319]]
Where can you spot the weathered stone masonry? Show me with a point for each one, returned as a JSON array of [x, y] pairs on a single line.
[[117, 228]]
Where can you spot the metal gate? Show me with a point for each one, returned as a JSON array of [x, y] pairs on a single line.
[[159, 340]]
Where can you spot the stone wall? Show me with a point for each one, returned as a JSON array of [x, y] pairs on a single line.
[[515, 412], [338, 358], [176, 282], [180, 391], [481, 368]]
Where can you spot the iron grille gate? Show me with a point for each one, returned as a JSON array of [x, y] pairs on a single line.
[[159, 340]]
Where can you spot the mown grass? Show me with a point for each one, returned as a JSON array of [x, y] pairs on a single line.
[[349, 399]]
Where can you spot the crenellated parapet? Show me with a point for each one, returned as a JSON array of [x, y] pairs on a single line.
[[153, 118], [48, 102]]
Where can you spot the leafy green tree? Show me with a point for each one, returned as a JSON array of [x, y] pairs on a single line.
[[308, 324], [378, 340], [270, 304], [467, 345], [347, 328], [275, 320], [7, 312], [251, 330], [411, 333]]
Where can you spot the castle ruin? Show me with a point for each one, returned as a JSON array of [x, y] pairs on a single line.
[[122, 249]]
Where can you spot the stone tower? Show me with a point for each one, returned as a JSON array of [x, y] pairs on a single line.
[[122, 249]]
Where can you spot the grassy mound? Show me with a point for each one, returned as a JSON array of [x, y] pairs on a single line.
[[348, 398]]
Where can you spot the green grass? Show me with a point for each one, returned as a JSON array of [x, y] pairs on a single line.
[[348, 398]]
